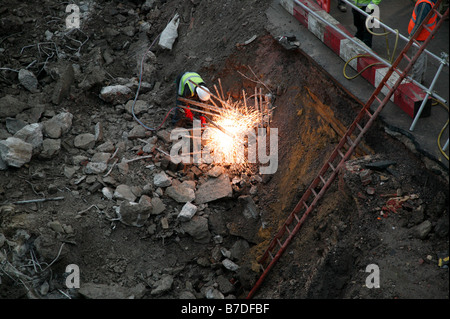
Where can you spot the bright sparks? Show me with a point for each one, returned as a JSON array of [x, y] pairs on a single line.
[[238, 122]]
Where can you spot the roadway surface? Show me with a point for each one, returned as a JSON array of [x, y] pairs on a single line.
[[396, 14]]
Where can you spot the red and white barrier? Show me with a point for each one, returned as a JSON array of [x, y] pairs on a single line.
[[408, 96]]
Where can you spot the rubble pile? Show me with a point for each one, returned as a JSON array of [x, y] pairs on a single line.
[[173, 202], [71, 150]]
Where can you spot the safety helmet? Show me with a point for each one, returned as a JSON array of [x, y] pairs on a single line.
[[203, 93]]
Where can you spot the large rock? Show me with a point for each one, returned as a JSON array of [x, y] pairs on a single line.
[[134, 214], [124, 192], [13, 125], [157, 206], [116, 94], [15, 152], [10, 106], [248, 205], [187, 212], [213, 189], [50, 148], [84, 141], [95, 167], [161, 180], [181, 193], [28, 80], [58, 125], [32, 133], [228, 264], [197, 227]]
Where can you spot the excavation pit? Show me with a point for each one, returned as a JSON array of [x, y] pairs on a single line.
[[351, 227]]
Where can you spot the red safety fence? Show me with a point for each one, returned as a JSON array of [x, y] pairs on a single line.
[[324, 4]]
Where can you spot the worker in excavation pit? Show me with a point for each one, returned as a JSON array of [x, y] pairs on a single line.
[[190, 85], [359, 19]]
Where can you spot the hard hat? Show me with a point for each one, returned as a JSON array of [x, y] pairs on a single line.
[[203, 93]]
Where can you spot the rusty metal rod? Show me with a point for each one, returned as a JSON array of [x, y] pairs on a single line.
[[200, 104], [196, 110]]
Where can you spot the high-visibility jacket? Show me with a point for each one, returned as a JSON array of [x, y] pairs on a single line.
[[186, 84], [365, 3], [417, 18]]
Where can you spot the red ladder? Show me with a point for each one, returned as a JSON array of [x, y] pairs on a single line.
[[328, 172]]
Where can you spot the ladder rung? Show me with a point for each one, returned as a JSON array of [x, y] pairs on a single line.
[[350, 141], [378, 99], [296, 218], [388, 86], [314, 192], [406, 57], [287, 228], [306, 206], [359, 127], [331, 166], [279, 243], [437, 13], [427, 28], [368, 113], [270, 254], [320, 176]]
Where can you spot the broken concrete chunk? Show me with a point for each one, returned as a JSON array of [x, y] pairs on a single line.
[[212, 293], [108, 192], [31, 133], [10, 106], [13, 124], [187, 212], [50, 148], [28, 80], [15, 152], [58, 125], [161, 180], [95, 168], [158, 206], [116, 94], [216, 171], [181, 193], [134, 214], [101, 157], [249, 208], [163, 285], [214, 189], [107, 146], [197, 227], [137, 132], [228, 264], [84, 141], [124, 192]]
